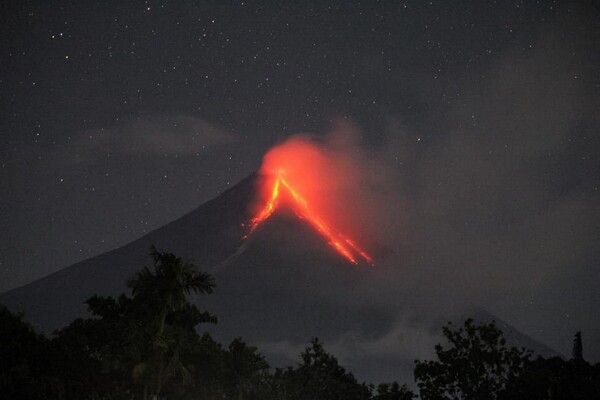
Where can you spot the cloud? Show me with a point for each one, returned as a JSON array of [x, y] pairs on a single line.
[[405, 341], [387, 357], [502, 208], [178, 135]]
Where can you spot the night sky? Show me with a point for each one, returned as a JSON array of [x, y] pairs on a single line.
[[118, 117]]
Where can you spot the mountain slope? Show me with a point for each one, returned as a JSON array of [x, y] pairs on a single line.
[[287, 277], [207, 235]]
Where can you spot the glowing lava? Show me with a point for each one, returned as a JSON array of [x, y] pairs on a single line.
[[343, 245]]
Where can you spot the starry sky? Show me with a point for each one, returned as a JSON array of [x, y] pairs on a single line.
[[118, 117]]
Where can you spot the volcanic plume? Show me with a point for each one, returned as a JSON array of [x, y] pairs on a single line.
[[304, 177]]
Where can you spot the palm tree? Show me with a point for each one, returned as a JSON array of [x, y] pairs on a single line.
[[166, 288]]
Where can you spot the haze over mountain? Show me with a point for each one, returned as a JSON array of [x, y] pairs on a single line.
[[277, 289]]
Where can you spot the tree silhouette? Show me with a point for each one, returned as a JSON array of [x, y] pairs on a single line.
[[244, 367], [393, 391], [477, 365], [23, 360], [578, 351], [320, 376], [164, 290], [170, 282]]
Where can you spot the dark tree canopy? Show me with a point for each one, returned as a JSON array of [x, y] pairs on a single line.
[[320, 376], [476, 365], [393, 391]]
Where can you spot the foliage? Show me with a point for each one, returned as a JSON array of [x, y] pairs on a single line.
[[477, 364], [393, 391], [320, 376], [23, 358], [168, 320], [244, 367], [556, 379], [137, 346]]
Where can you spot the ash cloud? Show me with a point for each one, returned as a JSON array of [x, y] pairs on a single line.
[[488, 213]]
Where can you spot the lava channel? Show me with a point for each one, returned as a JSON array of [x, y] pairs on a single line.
[[340, 243]]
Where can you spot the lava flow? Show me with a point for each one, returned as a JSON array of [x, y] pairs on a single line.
[[343, 245]]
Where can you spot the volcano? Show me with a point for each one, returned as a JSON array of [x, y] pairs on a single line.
[[277, 287]]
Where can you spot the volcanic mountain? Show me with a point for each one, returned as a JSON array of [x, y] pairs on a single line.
[[208, 236], [277, 288]]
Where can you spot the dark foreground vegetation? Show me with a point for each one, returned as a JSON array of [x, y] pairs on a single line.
[[146, 346]]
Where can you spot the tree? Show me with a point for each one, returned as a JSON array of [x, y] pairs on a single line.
[[24, 359], [164, 291], [244, 367], [168, 284], [578, 351], [209, 361], [557, 379], [91, 361], [393, 391], [476, 365], [320, 376], [130, 347]]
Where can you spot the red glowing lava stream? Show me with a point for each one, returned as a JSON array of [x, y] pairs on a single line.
[[343, 245]]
